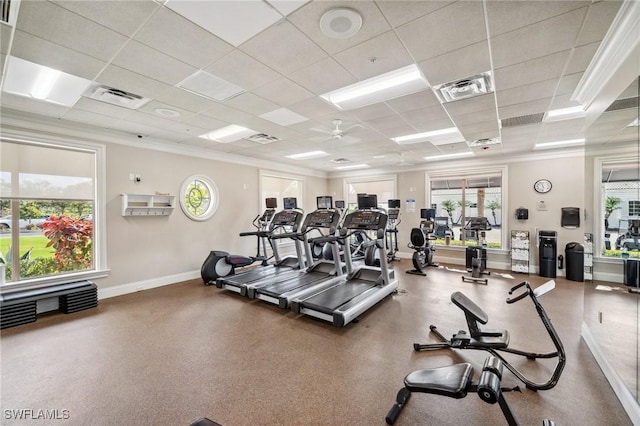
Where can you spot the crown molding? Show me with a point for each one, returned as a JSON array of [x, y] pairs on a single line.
[[23, 125], [619, 42]]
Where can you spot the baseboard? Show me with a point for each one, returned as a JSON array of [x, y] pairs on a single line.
[[629, 403], [119, 290]]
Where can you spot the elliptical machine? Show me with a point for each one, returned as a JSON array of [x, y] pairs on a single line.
[[476, 256], [221, 264], [391, 233], [421, 243]]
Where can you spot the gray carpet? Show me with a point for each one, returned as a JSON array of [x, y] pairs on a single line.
[[171, 355]]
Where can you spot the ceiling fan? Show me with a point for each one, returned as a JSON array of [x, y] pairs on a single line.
[[337, 133], [401, 161]]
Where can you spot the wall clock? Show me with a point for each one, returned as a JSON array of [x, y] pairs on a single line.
[[542, 186]]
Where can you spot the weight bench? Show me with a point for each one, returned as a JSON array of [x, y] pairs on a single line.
[[455, 381], [21, 307]]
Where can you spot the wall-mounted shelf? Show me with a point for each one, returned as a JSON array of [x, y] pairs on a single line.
[[147, 205], [520, 251]]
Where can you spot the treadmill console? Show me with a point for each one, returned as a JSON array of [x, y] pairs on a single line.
[[365, 219], [267, 215], [393, 214], [285, 218], [321, 218]]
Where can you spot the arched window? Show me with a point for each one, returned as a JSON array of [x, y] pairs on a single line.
[[199, 197]]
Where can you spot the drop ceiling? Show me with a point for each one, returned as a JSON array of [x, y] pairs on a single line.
[[282, 62]]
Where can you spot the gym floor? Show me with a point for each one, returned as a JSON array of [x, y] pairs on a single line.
[[171, 355]]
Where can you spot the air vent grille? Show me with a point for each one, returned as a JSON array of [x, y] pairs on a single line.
[[624, 104], [262, 138], [484, 142], [340, 160], [117, 97], [5, 6], [522, 120]]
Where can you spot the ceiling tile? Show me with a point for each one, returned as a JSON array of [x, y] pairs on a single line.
[[143, 59], [473, 128], [313, 77], [467, 106], [439, 32], [392, 125], [184, 99], [308, 18], [23, 103], [283, 92], [286, 7], [505, 16], [102, 108], [43, 52], [425, 120], [527, 93], [253, 104], [123, 17], [532, 71], [581, 58], [401, 12], [373, 111], [598, 21], [297, 53], [233, 21], [202, 121], [240, 69], [461, 63], [537, 40], [420, 100], [44, 20], [376, 56], [194, 45], [5, 38], [488, 115], [92, 118], [226, 113], [313, 107], [563, 101]]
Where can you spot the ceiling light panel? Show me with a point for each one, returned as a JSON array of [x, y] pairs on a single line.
[[352, 167], [228, 134], [391, 85], [436, 137], [208, 85], [478, 85], [448, 156], [232, 21], [559, 144], [564, 114], [283, 117], [36, 81], [307, 155]]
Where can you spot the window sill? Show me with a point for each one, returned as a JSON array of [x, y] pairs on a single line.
[[46, 281]]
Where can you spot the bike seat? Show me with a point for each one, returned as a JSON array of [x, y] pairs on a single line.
[[452, 381]]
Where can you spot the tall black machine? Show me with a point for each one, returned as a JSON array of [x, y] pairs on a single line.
[[548, 252]]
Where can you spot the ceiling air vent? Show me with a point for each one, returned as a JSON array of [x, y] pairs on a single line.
[[522, 120], [478, 85], [484, 142], [116, 97], [340, 160], [262, 138], [624, 104], [8, 10]]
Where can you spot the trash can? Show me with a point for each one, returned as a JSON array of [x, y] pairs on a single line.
[[631, 272], [574, 253], [547, 253]]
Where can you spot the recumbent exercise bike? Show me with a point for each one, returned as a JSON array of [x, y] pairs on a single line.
[[421, 243]]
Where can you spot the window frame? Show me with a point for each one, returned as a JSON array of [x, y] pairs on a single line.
[[368, 179], [279, 175], [99, 237], [214, 193], [466, 173]]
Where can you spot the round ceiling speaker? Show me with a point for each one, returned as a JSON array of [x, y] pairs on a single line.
[[340, 23]]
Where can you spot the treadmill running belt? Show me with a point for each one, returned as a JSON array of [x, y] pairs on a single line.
[[282, 287], [256, 274], [329, 300]]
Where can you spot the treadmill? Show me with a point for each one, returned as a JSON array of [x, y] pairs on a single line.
[[348, 297], [287, 220], [281, 291]]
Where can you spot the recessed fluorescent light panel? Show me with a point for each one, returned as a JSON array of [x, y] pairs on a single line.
[[564, 114], [401, 82], [228, 134], [448, 156], [478, 85], [352, 167], [559, 144], [208, 85], [307, 155], [283, 117], [436, 137], [634, 123], [36, 81]]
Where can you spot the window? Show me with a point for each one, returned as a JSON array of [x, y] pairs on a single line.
[[619, 207], [280, 186], [384, 187], [199, 197], [48, 203], [464, 195]]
